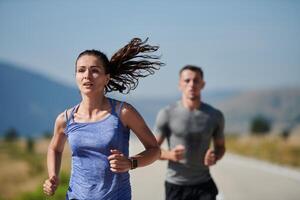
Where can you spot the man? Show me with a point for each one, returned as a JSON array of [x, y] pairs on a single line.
[[189, 126]]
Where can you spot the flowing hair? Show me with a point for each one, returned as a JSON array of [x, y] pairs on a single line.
[[128, 64]]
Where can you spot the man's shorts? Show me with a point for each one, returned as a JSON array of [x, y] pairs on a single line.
[[204, 191]]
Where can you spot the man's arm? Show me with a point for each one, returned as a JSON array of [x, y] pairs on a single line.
[[219, 148], [175, 154], [213, 155]]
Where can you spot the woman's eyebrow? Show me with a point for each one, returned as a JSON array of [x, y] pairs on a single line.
[[97, 66]]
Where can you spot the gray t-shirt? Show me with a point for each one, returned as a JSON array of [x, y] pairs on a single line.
[[195, 130]]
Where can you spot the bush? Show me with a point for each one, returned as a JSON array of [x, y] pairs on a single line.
[[260, 125], [39, 195], [11, 135], [30, 143], [47, 134]]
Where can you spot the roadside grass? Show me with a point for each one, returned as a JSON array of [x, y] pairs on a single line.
[[272, 148], [39, 195], [17, 151], [24, 172]]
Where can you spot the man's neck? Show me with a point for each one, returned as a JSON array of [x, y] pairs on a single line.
[[191, 104]]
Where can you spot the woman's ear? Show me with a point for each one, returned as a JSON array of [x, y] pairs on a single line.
[[107, 79]]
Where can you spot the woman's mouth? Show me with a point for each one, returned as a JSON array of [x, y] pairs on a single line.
[[88, 84]]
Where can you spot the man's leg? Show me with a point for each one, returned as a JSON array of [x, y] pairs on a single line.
[[173, 192]]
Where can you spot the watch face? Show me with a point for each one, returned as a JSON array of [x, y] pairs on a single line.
[[134, 163]]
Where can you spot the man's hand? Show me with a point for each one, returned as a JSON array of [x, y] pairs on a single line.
[[118, 162], [210, 158], [177, 153]]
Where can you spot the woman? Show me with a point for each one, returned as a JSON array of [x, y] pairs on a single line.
[[98, 128]]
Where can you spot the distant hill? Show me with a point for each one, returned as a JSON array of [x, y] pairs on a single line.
[[30, 102], [280, 106], [149, 107]]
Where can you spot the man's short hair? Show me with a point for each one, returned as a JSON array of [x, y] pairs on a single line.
[[192, 68]]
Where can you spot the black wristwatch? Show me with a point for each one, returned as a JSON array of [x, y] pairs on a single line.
[[134, 163]]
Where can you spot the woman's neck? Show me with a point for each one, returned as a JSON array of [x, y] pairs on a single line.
[[92, 104]]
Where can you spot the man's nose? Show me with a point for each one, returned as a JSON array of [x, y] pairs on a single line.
[[192, 83]]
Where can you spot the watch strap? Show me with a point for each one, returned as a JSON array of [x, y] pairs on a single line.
[[134, 162]]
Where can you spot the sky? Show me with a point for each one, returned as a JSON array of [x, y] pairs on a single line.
[[239, 44]]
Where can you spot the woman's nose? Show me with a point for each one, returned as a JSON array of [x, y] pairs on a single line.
[[87, 74]]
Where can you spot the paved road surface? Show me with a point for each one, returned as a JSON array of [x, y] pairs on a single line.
[[238, 178]]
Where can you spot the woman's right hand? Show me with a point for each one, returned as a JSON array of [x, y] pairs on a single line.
[[50, 185]]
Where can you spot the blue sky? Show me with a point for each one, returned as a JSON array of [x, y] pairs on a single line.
[[239, 44]]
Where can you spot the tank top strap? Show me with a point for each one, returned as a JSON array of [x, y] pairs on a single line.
[[66, 115], [72, 112], [67, 118], [113, 105], [120, 108]]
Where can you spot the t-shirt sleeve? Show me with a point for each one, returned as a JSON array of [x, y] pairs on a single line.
[[219, 130], [161, 127]]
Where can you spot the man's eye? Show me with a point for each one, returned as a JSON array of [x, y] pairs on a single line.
[[80, 70]]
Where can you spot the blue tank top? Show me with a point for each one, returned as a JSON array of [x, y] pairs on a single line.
[[90, 143]]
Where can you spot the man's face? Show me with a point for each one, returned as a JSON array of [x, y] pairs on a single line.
[[190, 84]]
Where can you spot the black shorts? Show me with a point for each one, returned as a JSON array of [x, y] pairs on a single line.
[[203, 191]]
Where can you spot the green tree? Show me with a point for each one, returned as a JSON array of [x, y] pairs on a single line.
[[260, 125], [47, 134], [30, 143], [11, 135], [285, 133]]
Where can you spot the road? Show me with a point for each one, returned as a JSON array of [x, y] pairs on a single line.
[[238, 178]]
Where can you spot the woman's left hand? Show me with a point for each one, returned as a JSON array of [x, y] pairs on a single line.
[[118, 162]]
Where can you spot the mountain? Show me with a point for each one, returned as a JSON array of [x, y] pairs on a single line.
[[30, 102], [149, 107], [280, 106]]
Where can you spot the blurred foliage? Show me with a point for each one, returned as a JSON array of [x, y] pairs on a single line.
[[47, 134], [38, 193], [272, 148], [30, 143], [11, 135], [17, 152], [260, 125], [285, 133], [28, 156]]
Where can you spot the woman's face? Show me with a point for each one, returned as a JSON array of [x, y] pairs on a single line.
[[90, 75]]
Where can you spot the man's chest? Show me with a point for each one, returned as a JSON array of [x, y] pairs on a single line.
[[193, 125]]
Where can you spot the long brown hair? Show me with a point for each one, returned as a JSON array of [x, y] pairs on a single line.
[[128, 64]]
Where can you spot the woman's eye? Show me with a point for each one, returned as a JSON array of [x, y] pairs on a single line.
[[81, 70], [95, 70]]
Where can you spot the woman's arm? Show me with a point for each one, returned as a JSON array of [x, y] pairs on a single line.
[[133, 120], [54, 155]]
